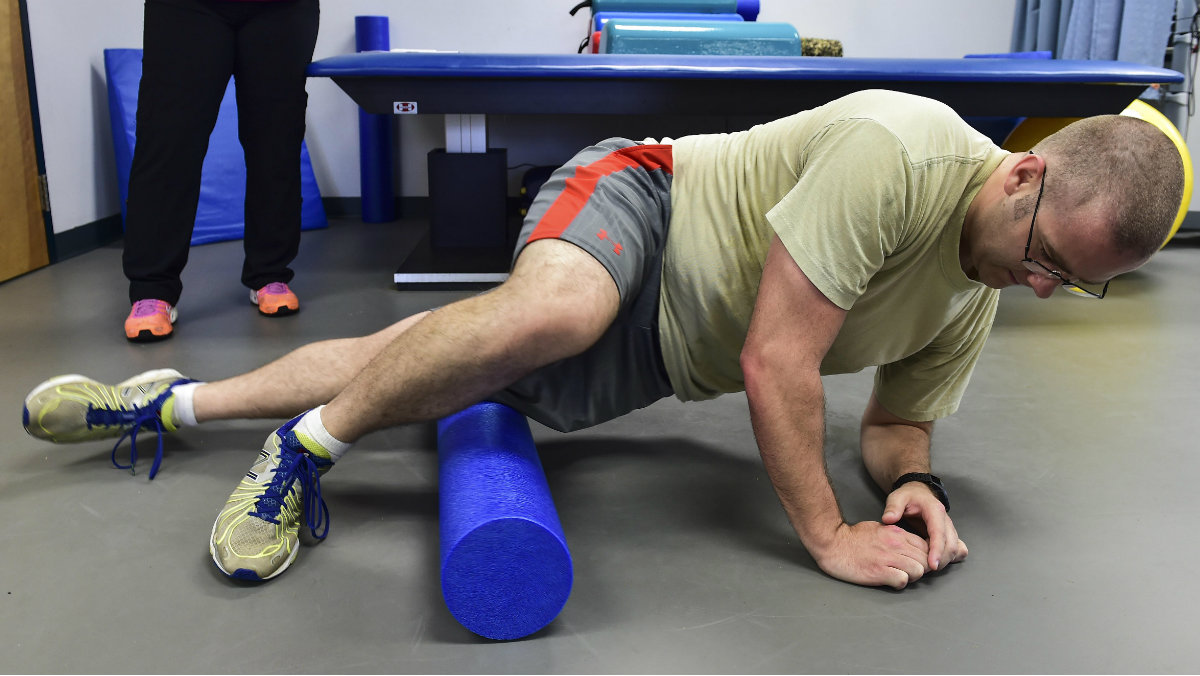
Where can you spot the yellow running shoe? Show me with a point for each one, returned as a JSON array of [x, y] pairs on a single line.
[[75, 408], [256, 535]]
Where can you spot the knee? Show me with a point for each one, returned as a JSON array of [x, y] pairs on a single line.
[[390, 333], [373, 343], [564, 300]]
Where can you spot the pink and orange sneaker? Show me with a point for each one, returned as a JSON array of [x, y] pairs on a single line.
[[150, 320], [275, 300]]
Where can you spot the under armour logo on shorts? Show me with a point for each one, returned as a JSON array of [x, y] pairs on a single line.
[[617, 248]]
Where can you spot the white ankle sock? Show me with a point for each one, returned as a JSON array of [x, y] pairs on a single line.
[[312, 425], [185, 406]]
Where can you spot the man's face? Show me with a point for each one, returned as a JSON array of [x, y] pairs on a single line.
[[1074, 243]]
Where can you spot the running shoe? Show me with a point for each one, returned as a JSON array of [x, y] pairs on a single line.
[[275, 300], [256, 536], [150, 320], [75, 408]]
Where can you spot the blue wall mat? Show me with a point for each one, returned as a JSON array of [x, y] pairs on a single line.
[[220, 213]]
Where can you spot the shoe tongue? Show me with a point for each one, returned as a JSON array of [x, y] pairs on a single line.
[[276, 288], [262, 471], [137, 395]]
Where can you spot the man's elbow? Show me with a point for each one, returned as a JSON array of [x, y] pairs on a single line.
[[755, 369], [766, 369]]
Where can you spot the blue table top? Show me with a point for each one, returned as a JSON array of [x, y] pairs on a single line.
[[649, 66]]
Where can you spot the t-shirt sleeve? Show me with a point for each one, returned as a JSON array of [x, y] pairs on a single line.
[[848, 209], [930, 383]]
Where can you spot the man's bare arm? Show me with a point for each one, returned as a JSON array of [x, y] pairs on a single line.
[[792, 327]]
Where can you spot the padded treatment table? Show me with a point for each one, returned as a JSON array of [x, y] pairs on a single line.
[[684, 84], [463, 86]]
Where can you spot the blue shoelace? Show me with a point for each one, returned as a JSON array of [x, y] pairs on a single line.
[[133, 420], [295, 464]]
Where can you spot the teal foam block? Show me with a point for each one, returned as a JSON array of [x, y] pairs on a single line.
[[506, 570], [220, 214], [727, 38], [748, 9]]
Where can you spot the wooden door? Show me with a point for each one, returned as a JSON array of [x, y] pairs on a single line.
[[22, 227]]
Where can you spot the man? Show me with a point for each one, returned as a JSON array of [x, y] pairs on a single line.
[[874, 230]]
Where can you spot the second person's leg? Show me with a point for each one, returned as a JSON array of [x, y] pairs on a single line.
[[187, 61], [274, 47]]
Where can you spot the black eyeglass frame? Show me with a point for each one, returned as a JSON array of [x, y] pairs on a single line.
[[1030, 263]]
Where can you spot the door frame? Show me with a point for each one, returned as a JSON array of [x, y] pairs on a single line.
[[36, 121]]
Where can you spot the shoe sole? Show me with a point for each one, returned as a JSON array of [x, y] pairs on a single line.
[[148, 336]]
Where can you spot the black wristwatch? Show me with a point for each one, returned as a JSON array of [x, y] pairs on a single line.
[[934, 483]]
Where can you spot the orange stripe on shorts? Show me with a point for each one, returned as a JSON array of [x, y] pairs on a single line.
[[579, 188]]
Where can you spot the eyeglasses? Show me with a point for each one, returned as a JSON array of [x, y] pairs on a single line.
[[1039, 269]]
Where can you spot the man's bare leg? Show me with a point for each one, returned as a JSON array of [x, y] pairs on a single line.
[[557, 302], [302, 379]]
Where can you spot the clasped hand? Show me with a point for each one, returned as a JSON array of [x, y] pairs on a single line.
[[878, 553]]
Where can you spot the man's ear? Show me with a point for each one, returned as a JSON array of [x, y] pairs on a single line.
[[1025, 174]]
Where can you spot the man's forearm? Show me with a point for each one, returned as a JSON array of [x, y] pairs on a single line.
[[890, 451], [789, 427]]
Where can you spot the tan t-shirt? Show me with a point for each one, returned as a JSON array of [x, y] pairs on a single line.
[[868, 194]]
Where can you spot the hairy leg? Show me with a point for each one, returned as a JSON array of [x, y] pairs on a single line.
[[557, 302], [302, 379]]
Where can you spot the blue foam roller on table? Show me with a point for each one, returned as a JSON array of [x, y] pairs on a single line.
[[375, 136], [506, 570], [748, 9]]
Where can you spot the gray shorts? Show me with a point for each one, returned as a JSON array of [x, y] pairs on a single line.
[[613, 200]]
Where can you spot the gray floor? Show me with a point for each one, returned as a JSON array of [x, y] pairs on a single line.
[[1072, 466]]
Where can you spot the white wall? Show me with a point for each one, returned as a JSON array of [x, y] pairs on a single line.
[[69, 36]]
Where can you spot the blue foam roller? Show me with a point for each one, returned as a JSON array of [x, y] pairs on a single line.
[[375, 134], [506, 570], [371, 33], [748, 9]]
